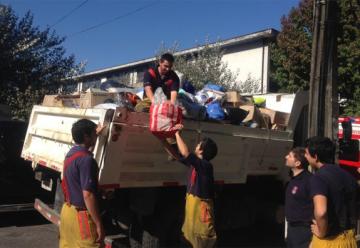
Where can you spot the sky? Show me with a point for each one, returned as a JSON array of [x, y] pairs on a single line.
[[106, 33]]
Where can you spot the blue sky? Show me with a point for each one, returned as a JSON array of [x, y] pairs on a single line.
[[143, 25]]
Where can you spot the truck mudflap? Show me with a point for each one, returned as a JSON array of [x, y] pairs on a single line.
[[46, 211]]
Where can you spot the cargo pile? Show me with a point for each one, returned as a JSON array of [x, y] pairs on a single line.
[[212, 103]]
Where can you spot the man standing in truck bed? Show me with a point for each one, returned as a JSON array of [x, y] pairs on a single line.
[[81, 224], [162, 76]]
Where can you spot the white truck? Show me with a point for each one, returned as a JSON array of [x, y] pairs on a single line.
[[143, 191]]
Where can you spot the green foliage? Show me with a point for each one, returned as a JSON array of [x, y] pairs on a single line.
[[249, 86], [32, 62], [291, 55], [203, 65], [21, 102], [349, 56]]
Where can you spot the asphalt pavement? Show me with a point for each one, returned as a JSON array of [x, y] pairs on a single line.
[[29, 229], [39, 236], [24, 229]]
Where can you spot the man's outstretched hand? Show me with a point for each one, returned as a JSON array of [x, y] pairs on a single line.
[[178, 127], [99, 129]]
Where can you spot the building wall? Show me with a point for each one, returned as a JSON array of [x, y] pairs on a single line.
[[250, 62]]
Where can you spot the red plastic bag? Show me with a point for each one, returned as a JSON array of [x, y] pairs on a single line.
[[163, 118]]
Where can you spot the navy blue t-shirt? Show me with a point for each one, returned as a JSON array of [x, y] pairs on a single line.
[[200, 180], [81, 174], [298, 202], [340, 189], [170, 82]]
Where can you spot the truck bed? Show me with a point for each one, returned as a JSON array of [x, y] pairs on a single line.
[[130, 156]]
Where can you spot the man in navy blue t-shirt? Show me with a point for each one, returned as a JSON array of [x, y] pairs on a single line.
[[81, 224], [162, 76], [198, 227], [298, 203], [334, 193]]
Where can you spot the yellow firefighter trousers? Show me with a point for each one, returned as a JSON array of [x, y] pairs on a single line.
[[77, 229], [198, 227], [344, 240]]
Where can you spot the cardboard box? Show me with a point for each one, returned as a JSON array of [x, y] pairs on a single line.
[[92, 98], [232, 96], [52, 101], [73, 101], [234, 99], [61, 101], [254, 115], [276, 117]]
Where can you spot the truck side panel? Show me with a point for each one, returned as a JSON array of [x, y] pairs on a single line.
[[137, 159], [130, 156]]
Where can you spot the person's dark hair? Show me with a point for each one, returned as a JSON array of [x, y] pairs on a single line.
[[80, 128], [299, 155], [209, 148], [168, 57], [322, 147]]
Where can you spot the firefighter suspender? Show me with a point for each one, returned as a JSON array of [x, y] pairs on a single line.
[[152, 73], [67, 162]]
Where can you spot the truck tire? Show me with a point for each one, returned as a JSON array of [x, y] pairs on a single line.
[[161, 226], [150, 241], [135, 235], [134, 243], [140, 238]]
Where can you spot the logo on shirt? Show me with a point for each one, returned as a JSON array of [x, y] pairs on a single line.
[[294, 190]]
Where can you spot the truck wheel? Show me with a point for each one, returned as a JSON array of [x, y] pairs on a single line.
[[138, 238], [134, 243], [150, 241], [135, 235]]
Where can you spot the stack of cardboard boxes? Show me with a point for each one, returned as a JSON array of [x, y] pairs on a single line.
[[87, 99], [93, 98], [265, 117]]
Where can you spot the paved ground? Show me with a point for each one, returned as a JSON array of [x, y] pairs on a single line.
[[30, 229], [46, 236], [39, 236], [26, 229]]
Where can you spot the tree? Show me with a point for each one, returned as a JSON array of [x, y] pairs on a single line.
[[291, 55], [349, 56], [32, 62], [203, 65]]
